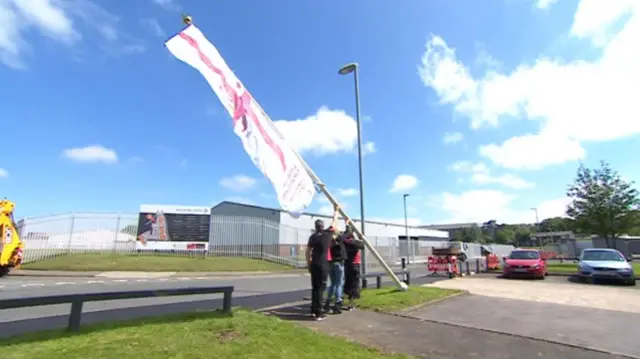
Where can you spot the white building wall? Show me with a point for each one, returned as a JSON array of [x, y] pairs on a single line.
[[382, 232]]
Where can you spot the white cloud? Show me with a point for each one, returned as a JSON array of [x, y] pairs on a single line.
[[167, 4], [507, 180], [347, 192], [480, 206], [574, 101], [238, 183], [56, 20], [403, 183], [326, 132], [467, 166], [242, 200], [153, 26], [18, 16], [91, 154], [545, 4], [481, 175], [369, 147], [452, 137], [4, 173], [411, 221], [327, 208]]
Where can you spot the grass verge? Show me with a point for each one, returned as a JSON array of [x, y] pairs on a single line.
[[391, 300], [571, 268], [153, 263], [245, 335]]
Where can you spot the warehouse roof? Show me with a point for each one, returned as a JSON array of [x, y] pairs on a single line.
[[304, 213]]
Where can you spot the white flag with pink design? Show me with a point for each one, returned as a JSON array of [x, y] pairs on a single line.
[[268, 150]]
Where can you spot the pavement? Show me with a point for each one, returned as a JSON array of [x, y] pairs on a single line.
[[587, 316], [432, 340], [552, 291]]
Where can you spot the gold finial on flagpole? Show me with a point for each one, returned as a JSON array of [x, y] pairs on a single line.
[[187, 19]]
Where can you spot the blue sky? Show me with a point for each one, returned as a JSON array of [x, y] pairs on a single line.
[[478, 109]]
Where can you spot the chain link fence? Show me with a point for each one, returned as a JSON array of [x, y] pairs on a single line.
[[230, 236]]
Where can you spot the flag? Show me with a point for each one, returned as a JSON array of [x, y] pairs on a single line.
[[264, 144]]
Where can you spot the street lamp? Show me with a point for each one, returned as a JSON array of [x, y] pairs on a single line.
[[537, 225], [345, 70], [406, 224]]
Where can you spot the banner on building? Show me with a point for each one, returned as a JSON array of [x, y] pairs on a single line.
[[266, 147]]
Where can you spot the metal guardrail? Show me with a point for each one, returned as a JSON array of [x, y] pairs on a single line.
[[404, 276], [77, 300]]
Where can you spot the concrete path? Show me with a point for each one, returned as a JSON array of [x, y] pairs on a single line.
[[598, 329], [566, 293], [433, 340]]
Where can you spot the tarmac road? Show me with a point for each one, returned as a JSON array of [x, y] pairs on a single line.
[[253, 292]]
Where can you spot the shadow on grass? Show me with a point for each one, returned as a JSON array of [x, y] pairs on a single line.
[[106, 326], [297, 313]]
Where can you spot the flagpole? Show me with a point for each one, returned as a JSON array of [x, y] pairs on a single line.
[[188, 20]]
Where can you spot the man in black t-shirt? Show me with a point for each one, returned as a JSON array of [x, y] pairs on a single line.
[[317, 260]]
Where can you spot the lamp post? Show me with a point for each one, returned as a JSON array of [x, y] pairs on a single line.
[[406, 225], [537, 225], [345, 70]]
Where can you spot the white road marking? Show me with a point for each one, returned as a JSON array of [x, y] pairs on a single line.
[[94, 281], [142, 280], [32, 285], [120, 280], [202, 278], [65, 283], [185, 278]]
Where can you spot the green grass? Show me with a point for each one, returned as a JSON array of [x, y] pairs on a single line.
[[153, 263], [390, 299], [570, 268], [245, 335]]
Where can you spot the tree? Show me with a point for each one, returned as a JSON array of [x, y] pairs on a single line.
[[523, 235], [505, 235], [457, 236], [556, 224], [602, 202], [472, 234]]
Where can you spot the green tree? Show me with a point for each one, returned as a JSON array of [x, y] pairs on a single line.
[[472, 234], [602, 202], [457, 236], [522, 235], [556, 224], [505, 235]]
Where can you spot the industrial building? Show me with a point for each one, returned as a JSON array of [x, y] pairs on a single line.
[[244, 227]]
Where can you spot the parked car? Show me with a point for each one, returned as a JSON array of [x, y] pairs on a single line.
[[525, 263], [605, 263]]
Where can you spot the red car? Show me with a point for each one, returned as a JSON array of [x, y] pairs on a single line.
[[525, 263]]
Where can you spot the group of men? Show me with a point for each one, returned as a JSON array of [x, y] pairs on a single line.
[[334, 256]]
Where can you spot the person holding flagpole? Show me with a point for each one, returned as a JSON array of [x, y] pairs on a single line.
[[318, 256]]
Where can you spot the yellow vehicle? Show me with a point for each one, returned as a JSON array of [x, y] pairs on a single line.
[[11, 247]]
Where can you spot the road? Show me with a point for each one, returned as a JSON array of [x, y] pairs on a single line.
[[254, 292]]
